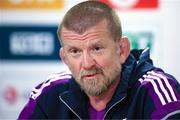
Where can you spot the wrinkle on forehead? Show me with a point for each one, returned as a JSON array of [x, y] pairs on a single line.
[[88, 35]]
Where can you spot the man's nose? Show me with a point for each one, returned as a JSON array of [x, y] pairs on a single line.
[[88, 61]]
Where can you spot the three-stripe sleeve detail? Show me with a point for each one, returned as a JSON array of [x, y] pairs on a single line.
[[161, 86]]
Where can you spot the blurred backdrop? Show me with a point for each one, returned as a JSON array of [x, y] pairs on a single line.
[[29, 46]]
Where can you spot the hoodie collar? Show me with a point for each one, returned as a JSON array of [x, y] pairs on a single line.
[[137, 64], [76, 100], [143, 63]]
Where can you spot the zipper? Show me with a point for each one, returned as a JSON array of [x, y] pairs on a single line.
[[70, 108], [113, 106], [81, 118]]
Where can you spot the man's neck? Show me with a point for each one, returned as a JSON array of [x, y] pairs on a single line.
[[99, 102]]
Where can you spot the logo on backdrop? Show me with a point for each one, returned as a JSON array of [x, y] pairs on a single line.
[[132, 4], [140, 40], [32, 4], [10, 94], [29, 43]]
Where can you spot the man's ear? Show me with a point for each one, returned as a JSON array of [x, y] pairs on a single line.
[[62, 55], [124, 49]]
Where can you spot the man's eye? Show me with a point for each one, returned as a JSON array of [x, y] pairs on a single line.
[[98, 49], [75, 51]]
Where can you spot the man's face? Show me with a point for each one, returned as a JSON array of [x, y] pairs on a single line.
[[93, 58]]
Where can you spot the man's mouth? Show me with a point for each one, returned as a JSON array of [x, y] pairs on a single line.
[[90, 76]]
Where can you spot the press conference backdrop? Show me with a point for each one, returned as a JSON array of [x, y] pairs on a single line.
[[29, 45]]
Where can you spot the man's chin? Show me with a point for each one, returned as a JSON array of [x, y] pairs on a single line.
[[93, 90]]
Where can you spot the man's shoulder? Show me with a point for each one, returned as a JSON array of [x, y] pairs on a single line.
[[160, 86], [61, 79], [160, 91]]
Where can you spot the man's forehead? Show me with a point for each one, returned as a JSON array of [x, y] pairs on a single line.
[[69, 35], [85, 37], [99, 28]]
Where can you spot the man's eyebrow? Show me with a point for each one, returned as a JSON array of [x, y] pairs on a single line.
[[99, 42], [70, 46]]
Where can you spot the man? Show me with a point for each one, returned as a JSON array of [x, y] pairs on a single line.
[[108, 81]]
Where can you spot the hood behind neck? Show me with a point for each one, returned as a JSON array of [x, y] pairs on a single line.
[[137, 64]]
